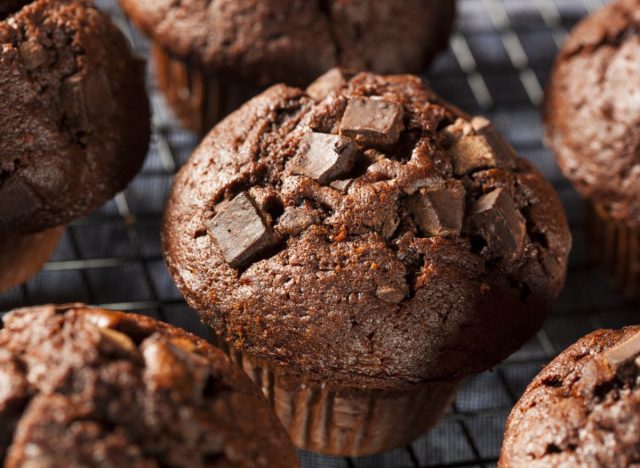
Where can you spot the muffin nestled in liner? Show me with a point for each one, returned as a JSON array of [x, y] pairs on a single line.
[[210, 57], [82, 386], [592, 116], [583, 409], [74, 124], [360, 247]]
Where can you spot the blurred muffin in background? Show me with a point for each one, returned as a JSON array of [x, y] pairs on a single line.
[[74, 124], [210, 57], [592, 122]]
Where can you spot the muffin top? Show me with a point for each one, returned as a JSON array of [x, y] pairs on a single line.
[[74, 124], [583, 409], [364, 232], [89, 387], [592, 109], [294, 41]]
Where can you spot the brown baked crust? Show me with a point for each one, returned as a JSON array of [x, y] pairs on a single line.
[[592, 109], [270, 41], [579, 411], [85, 387], [75, 125], [313, 303]]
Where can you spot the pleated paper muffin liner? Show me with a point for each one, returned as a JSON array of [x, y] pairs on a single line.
[[615, 247], [349, 422], [199, 99]]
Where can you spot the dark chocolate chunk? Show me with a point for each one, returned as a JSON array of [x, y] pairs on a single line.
[[326, 157], [33, 54], [241, 230], [331, 82], [498, 221], [341, 185], [19, 200], [439, 212], [87, 97], [623, 352], [372, 122], [391, 294]]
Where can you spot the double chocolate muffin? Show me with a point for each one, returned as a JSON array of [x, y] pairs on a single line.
[[362, 246], [592, 120], [74, 126], [210, 57], [90, 387], [583, 409]]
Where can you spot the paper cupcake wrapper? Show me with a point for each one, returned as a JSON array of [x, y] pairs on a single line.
[[23, 256], [198, 98], [349, 422], [615, 247]]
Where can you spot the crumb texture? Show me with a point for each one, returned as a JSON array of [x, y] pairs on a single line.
[[90, 387], [294, 41], [75, 122], [583, 409], [379, 251], [592, 109]]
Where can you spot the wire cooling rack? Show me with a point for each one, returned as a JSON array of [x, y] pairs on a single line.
[[498, 62]]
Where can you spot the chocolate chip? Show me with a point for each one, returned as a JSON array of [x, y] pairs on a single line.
[[33, 54], [326, 157], [331, 82], [391, 294], [439, 212], [115, 343], [19, 200], [241, 230], [86, 97], [498, 221], [623, 352], [372, 122]]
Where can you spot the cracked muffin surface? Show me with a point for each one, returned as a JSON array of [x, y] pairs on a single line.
[[583, 409], [592, 109], [75, 125], [294, 41], [364, 232], [81, 386]]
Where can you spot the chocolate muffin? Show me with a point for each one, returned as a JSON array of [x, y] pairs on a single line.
[[74, 126], [592, 112], [363, 245], [90, 387], [210, 57], [583, 409]]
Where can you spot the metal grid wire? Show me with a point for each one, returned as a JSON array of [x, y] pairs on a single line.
[[497, 65]]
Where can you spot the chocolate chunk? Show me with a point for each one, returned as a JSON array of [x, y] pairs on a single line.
[[439, 212], [86, 97], [472, 153], [498, 221], [297, 219], [372, 122], [623, 352], [391, 294], [326, 157], [331, 82], [19, 200], [341, 185], [33, 54], [241, 230]]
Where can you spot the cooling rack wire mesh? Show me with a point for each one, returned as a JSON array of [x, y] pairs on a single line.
[[497, 64]]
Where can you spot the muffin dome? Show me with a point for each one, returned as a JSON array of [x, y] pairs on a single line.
[[592, 109], [294, 41], [91, 387], [364, 232], [583, 409], [74, 126]]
